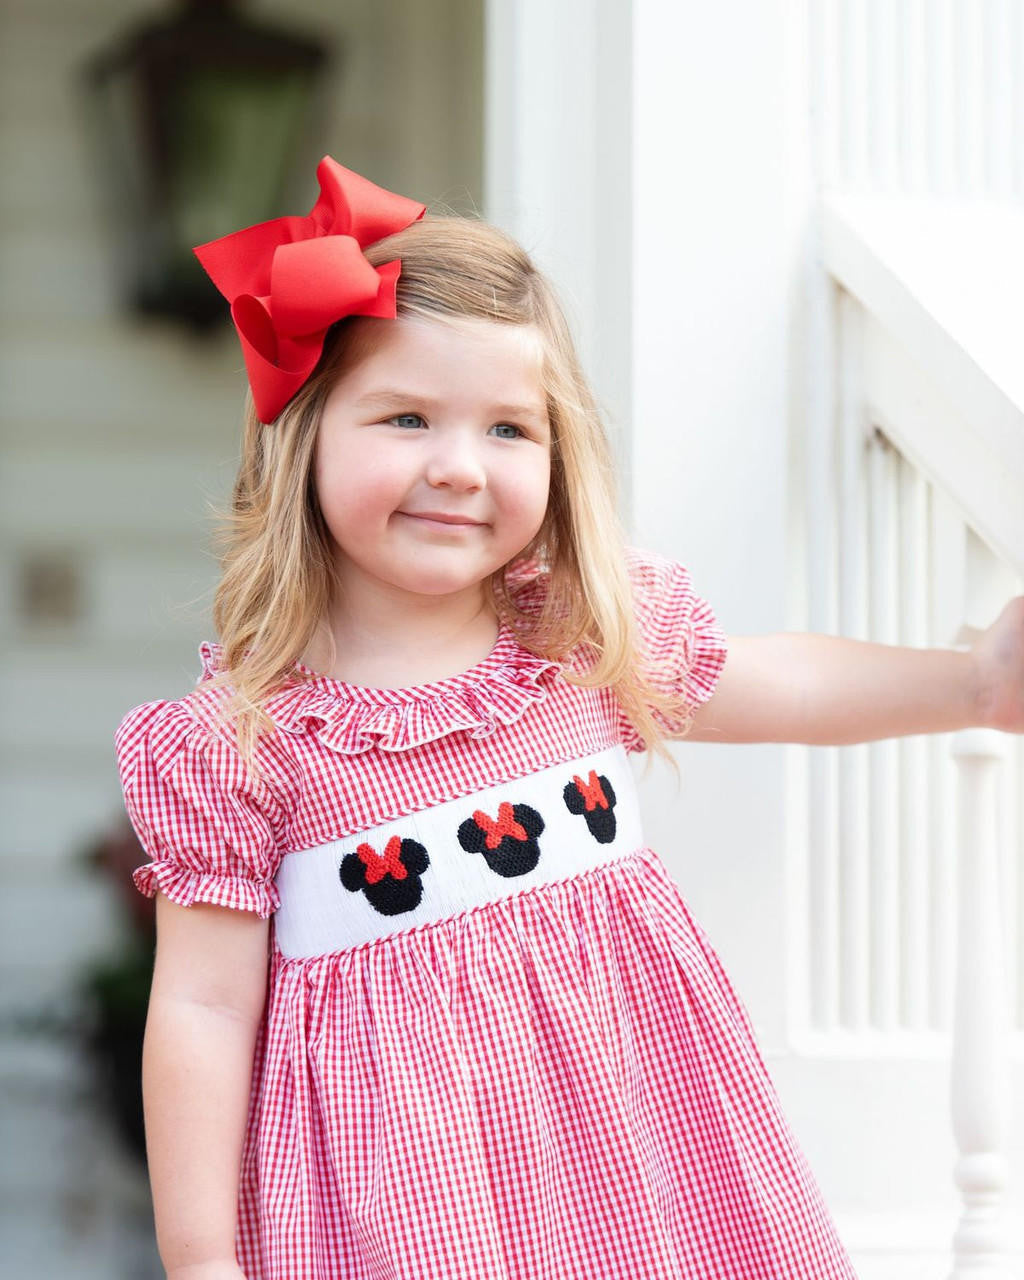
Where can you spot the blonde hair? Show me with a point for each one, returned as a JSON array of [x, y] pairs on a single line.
[[276, 550]]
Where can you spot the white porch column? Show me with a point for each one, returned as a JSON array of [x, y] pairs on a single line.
[[720, 180], [557, 169]]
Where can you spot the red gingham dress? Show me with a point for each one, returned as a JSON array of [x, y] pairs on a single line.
[[496, 1044]]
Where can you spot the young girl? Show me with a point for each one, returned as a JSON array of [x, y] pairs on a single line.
[[425, 1004]]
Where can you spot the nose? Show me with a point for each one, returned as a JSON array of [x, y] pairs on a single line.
[[456, 463]]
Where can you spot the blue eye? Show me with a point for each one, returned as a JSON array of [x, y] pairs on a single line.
[[411, 421]]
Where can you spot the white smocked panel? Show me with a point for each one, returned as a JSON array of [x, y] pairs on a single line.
[[547, 826]]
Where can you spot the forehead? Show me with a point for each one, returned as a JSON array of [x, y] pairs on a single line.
[[435, 357]]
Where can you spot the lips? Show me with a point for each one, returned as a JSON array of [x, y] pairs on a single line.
[[441, 517]]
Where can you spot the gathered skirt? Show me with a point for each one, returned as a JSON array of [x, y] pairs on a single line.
[[561, 1085]]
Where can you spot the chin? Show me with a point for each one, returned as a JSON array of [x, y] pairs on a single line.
[[425, 583]]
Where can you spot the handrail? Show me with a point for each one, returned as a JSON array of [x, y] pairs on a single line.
[[926, 272]]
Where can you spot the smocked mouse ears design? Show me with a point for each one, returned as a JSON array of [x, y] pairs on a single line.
[[594, 797], [290, 279], [391, 879], [509, 842]]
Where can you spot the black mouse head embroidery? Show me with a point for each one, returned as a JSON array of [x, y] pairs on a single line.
[[508, 842], [595, 799], [390, 880]]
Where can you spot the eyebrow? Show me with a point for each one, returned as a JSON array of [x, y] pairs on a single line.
[[391, 397]]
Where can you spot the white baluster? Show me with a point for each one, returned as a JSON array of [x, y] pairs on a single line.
[[980, 1067], [853, 500]]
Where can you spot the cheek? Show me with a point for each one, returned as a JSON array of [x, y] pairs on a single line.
[[535, 489], [524, 497], [355, 484]]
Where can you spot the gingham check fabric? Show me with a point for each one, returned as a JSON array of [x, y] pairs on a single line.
[[538, 1072]]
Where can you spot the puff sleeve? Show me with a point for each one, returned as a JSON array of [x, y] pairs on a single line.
[[212, 830], [685, 648]]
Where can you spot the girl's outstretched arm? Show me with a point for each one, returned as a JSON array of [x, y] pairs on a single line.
[[829, 690]]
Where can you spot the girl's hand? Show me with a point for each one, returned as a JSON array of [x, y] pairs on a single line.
[[999, 655]]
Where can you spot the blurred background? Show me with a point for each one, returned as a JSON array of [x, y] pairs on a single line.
[[789, 236]]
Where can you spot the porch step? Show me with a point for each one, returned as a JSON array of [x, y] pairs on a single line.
[[913, 1246]]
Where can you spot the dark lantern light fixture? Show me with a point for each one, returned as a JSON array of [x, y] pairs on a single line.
[[200, 120]]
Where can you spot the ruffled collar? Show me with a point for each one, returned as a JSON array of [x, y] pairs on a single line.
[[352, 718]]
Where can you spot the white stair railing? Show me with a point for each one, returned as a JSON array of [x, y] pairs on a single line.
[[929, 544], [917, 436]]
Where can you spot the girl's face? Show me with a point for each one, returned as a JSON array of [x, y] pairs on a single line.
[[433, 457]]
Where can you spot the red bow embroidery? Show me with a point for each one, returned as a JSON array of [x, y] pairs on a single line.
[[591, 791], [378, 866], [505, 826], [290, 279]]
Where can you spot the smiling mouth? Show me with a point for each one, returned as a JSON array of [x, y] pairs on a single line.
[[443, 522]]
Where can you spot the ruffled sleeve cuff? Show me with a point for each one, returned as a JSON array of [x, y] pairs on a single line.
[[686, 648], [705, 649], [185, 887]]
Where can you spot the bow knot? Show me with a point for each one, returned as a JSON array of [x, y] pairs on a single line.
[[591, 791], [506, 825], [377, 865], [290, 279]]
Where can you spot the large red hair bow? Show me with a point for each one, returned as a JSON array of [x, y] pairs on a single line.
[[290, 279]]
